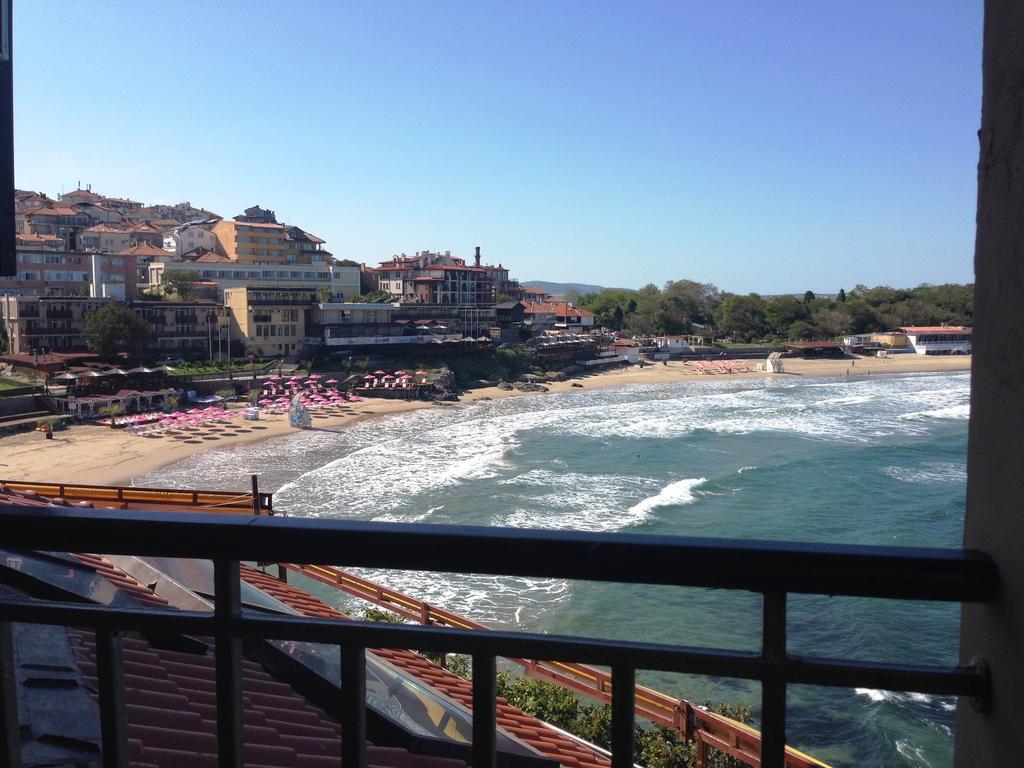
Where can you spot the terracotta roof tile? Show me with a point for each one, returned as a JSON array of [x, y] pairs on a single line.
[[534, 732]]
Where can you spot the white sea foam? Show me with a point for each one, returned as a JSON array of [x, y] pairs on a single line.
[[679, 492], [901, 699], [929, 472], [584, 502], [958, 411], [872, 693]]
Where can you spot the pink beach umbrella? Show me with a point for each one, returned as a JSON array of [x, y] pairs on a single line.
[[331, 381], [315, 376], [266, 401], [379, 373], [399, 373]]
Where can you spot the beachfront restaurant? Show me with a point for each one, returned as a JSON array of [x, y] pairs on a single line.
[[938, 339], [133, 401]]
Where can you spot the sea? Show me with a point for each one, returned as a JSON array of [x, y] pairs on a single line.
[[875, 460]]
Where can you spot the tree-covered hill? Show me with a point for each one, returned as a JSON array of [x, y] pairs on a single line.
[[685, 306]]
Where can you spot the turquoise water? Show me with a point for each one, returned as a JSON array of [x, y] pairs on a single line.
[[879, 461]]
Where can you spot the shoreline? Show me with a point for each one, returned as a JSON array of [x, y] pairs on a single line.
[[103, 456]]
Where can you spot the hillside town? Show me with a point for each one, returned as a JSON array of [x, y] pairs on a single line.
[[214, 287]]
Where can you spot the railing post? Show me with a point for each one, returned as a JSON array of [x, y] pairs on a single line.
[[227, 610], [484, 712], [623, 703], [773, 685], [10, 729], [353, 707], [255, 494], [113, 721]]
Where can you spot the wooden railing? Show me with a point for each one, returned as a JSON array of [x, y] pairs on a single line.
[[691, 722], [153, 498]]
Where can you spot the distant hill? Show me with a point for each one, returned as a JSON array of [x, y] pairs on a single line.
[[557, 289]]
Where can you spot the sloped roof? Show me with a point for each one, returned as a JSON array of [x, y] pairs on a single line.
[[538, 734], [144, 249], [914, 329], [53, 210]]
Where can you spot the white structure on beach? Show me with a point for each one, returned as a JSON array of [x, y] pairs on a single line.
[[938, 339], [774, 363]]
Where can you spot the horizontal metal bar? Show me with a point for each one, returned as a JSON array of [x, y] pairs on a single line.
[[758, 566], [947, 681]]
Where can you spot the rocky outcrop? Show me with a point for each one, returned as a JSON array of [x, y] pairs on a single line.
[[527, 386], [444, 386]]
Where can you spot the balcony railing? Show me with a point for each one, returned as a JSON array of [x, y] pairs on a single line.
[[772, 569]]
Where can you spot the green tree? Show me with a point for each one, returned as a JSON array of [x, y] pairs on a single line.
[[323, 294], [782, 311], [742, 317], [841, 297], [808, 297], [180, 282], [115, 328]]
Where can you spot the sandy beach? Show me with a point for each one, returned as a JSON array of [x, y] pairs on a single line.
[[104, 456]]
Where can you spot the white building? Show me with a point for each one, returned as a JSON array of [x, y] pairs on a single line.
[[189, 237], [673, 343], [343, 282], [938, 339]]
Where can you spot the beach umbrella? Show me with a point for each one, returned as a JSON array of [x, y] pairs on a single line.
[[331, 381], [388, 376], [420, 373], [266, 401], [65, 377], [89, 375], [315, 376], [379, 373], [399, 373]]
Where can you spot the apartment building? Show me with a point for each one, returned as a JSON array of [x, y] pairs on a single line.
[[269, 321], [435, 278], [341, 282], [50, 323], [49, 272], [257, 238], [105, 238], [187, 328], [60, 220]]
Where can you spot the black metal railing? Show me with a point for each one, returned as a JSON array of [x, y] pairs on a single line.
[[773, 569]]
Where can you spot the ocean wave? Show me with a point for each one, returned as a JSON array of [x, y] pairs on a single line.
[[958, 411], [908, 698], [929, 472], [583, 502], [679, 492]]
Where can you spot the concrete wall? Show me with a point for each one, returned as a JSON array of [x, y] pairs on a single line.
[[995, 482]]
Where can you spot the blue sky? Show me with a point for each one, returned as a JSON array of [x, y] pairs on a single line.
[[762, 146]]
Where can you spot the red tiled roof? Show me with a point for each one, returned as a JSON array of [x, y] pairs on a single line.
[[55, 210], [534, 732], [145, 227], [257, 224], [103, 227], [144, 249], [557, 308], [171, 705]]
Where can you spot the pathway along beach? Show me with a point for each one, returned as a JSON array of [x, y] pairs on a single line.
[[100, 455]]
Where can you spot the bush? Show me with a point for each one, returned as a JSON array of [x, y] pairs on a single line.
[[655, 746]]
